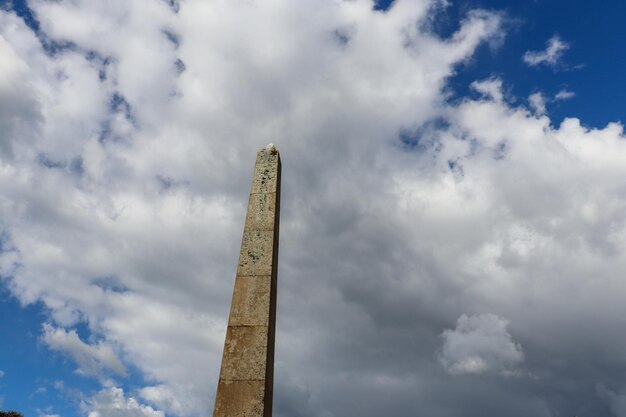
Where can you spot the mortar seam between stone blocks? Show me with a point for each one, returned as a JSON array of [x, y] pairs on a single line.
[[253, 276], [233, 380]]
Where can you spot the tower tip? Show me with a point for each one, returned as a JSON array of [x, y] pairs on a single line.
[[270, 149]]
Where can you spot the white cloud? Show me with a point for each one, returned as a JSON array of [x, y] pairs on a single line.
[[163, 397], [538, 103], [1, 373], [550, 56], [19, 110], [91, 359], [112, 402], [480, 344], [490, 88], [564, 95]]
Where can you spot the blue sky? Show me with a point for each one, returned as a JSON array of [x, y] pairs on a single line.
[[31, 373], [592, 66], [37, 381], [485, 259]]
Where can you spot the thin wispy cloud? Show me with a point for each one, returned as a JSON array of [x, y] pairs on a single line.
[[551, 56], [538, 101], [92, 359], [564, 95]]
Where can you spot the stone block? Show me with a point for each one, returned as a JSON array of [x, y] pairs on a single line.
[[268, 155], [245, 353], [265, 178], [240, 399], [251, 301], [261, 213], [256, 254]]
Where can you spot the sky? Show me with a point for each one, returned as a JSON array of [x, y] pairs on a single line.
[[453, 236]]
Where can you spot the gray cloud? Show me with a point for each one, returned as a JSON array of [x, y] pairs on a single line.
[[480, 344]]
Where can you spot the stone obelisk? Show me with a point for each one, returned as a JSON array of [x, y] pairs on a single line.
[[247, 374]]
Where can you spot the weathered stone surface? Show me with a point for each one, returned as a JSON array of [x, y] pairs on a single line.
[[247, 373], [245, 353], [261, 212], [256, 253], [267, 155], [265, 177], [240, 399], [251, 301]]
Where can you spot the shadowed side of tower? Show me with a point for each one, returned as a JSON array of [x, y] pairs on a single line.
[[247, 374]]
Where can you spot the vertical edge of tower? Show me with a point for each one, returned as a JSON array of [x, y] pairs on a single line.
[[269, 372]]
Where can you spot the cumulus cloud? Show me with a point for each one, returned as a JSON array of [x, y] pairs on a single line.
[[163, 397], [125, 171], [538, 103], [112, 402], [551, 56], [91, 359], [538, 100], [480, 344], [490, 88], [19, 112]]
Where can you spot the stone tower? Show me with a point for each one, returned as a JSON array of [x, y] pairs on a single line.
[[247, 373]]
